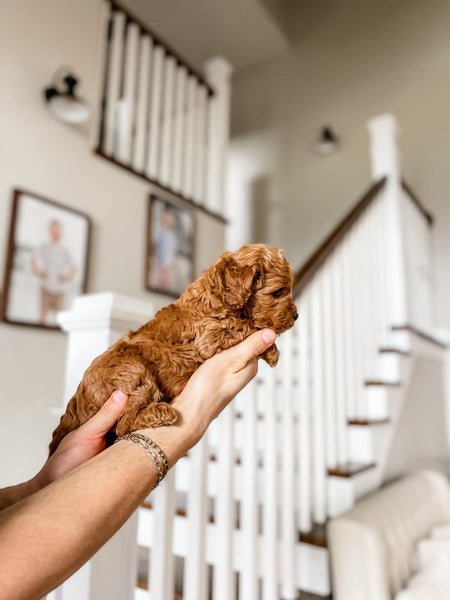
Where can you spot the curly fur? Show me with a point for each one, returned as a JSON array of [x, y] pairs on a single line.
[[241, 292]]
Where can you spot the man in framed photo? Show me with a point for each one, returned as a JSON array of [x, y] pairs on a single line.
[[54, 267]]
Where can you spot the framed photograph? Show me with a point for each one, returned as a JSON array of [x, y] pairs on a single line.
[[46, 262], [170, 247]]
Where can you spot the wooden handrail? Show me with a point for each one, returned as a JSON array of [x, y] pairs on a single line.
[[319, 256], [415, 200]]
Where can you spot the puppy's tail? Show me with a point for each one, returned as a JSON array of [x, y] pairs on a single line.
[[69, 421]]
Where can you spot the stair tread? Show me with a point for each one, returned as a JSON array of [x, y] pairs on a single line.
[[420, 333], [316, 537], [350, 469], [368, 422], [392, 350], [142, 584], [370, 382], [311, 596]]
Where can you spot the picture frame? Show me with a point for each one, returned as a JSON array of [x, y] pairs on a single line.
[[46, 260], [170, 245]]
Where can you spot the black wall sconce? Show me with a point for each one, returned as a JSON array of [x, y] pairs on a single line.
[[328, 142], [62, 101]]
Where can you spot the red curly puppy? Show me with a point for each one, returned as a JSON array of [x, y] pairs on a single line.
[[241, 292]]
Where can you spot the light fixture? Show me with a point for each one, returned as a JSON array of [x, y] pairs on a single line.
[[62, 101], [328, 143]]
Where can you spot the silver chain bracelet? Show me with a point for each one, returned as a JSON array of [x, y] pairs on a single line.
[[144, 442]]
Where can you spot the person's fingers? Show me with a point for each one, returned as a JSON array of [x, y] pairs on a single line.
[[252, 347], [108, 414]]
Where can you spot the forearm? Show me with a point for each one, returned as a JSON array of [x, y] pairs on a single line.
[[48, 536], [14, 493]]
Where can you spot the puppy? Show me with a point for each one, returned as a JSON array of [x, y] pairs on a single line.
[[240, 293]]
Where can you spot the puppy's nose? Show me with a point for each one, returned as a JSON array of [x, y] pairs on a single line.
[[295, 315]]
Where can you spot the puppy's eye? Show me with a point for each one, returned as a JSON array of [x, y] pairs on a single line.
[[257, 276], [277, 293]]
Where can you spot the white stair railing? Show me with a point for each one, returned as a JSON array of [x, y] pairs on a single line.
[[270, 466], [158, 117]]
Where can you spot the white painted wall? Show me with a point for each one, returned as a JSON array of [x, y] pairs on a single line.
[[53, 159]]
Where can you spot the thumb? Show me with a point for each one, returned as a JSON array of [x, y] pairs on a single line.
[[108, 414], [253, 346]]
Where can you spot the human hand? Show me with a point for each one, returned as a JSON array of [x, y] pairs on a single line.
[[215, 383], [83, 443]]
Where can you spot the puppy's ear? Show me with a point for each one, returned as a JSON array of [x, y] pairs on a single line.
[[239, 281]]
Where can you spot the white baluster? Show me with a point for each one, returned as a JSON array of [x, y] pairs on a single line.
[[167, 121], [318, 433], [188, 162], [348, 302], [329, 373], [218, 73], [341, 354], [153, 138], [113, 84], [145, 52], [224, 585], [103, 51], [288, 524], [161, 565], [270, 498], [195, 583], [200, 145], [126, 105], [249, 504], [180, 115], [305, 437]]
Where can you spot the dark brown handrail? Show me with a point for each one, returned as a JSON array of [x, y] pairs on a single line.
[[318, 257], [415, 200]]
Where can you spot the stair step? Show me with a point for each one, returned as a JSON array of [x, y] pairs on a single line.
[[144, 586], [350, 469], [309, 596], [378, 382], [367, 422], [316, 537], [390, 350], [420, 333]]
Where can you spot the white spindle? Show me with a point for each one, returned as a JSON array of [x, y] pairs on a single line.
[[270, 498], [348, 302], [167, 121], [223, 584], [318, 433], [200, 144], [153, 137], [195, 583], [329, 374], [304, 442], [180, 115], [161, 566], [249, 504], [218, 73], [103, 50], [288, 529], [114, 81], [126, 106], [341, 354], [357, 293], [189, 147], [145, 52]]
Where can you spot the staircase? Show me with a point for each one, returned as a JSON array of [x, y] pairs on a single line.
[[244, 515]]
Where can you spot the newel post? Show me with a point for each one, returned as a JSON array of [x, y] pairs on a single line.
[[385, 162], [218, 73], [93, 324]]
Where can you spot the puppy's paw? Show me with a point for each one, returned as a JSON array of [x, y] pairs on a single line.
[[156, 414], [271, 356]]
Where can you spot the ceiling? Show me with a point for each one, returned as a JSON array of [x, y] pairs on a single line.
[[246, 32]]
